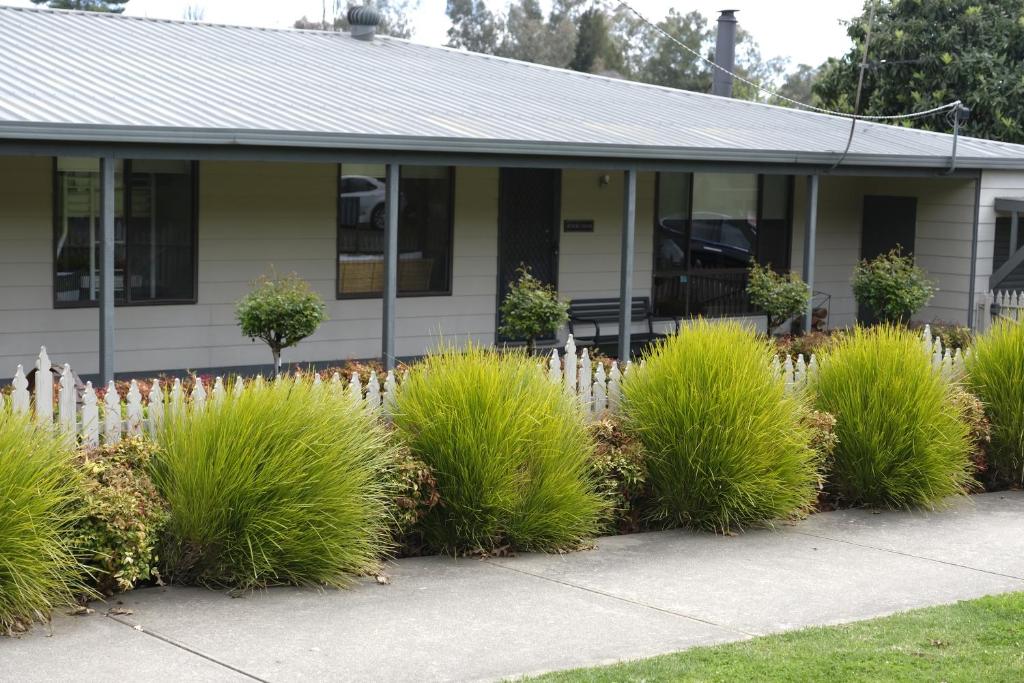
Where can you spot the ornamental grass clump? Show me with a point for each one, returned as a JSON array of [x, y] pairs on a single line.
[[39, 488], [726, 447], [995, 372], [903, 440], [284, 484], [509, 450]]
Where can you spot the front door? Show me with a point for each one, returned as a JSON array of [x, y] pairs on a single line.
[[888, 223], [529, 208]]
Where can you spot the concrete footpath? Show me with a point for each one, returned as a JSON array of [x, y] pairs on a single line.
[[631, 597]]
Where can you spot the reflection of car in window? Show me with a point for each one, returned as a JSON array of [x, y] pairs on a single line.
[[369, 192], [716, 241]]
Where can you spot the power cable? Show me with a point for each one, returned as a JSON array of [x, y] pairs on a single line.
[[796, 103]]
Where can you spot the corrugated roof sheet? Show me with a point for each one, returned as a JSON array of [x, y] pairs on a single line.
[[77, 75]]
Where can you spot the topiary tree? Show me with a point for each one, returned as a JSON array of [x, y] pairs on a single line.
[[281, 312], [531, 309], [780, 296], [892, 287]]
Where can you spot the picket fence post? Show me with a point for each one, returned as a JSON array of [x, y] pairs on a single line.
[[156, 408], [133, 410], [111, 415], [44, 389], [90, 417], [67, 410]]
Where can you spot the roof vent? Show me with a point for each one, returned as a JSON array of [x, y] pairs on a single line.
[[363, 21]]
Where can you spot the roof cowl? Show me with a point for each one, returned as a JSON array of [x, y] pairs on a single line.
[[363, 21]]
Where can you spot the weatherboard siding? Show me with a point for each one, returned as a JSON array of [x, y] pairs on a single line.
[[253, 217], [942, 245]]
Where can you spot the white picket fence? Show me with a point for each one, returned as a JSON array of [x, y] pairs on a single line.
[[1010, 307], [950, 362], [92, 423], [599, 391]]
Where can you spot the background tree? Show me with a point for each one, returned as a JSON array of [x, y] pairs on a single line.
[[597, 51], [798, 85], [474, 26], [394, 17], [924, 54], [111, 6]]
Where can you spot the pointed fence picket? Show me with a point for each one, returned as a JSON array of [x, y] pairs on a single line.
[[595, 384], [93, 419]]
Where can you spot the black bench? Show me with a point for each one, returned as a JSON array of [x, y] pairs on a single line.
[[593, 312]]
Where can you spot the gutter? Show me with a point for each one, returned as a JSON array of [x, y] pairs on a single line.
[[11, 134]]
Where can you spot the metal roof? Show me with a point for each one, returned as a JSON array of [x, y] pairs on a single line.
[[80, 76]]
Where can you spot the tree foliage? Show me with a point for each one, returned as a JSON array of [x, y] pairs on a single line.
[[281, 312], [925, 53], [591, 38], [531, 309], [892, 287], [780, 296], [109, 6]]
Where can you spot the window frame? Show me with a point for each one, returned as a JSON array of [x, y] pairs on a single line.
[[339, 296], [790, 214], [194, 225]]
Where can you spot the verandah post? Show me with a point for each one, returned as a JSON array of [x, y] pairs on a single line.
[[106, 302], [810, 235], [626, 269], [390, 266]]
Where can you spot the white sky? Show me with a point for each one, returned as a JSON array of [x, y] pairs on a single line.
[[805, 31]]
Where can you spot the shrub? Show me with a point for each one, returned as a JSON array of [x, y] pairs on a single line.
[[123, 516], [38, 490], [284, 484], [892, 287], [953, 335], [780, 296], [980, 429], [509, 449], [726, 447], [531, 309], [810, 343], [824, 439], [995, 372], [902, 440], [281, 312], [413, 495], [622, 476]]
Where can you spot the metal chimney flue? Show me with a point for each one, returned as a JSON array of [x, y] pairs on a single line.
[[363, 21], [725, 54]]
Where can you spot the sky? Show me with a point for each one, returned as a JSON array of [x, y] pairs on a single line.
[[804, 31]]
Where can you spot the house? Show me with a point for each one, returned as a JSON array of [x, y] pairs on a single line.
[[184, 160]]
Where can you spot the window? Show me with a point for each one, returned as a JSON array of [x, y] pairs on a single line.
[[424, 230], [154, 232], [709, 227]]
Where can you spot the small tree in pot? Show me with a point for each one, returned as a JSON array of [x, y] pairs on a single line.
[[531, 309], [891, 287], [780, 296], [281, 312]]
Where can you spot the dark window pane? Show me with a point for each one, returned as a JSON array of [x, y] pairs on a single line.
[[773, 243], [424, 230], [154, 254]]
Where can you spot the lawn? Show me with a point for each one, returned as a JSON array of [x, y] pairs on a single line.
[[976, 640]]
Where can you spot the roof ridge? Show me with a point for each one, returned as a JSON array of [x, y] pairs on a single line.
[[162, 20]]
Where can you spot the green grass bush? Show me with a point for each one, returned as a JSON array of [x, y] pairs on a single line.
[[39, 488], [995, 372], [726, 447], [510, 452], [281, 485], [903, 440]]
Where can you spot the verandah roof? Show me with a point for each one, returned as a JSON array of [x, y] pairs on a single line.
[[77, 76]]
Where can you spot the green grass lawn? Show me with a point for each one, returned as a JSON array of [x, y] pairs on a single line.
[[976, 640]]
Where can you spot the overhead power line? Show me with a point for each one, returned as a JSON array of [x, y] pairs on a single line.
[[796, 103]]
